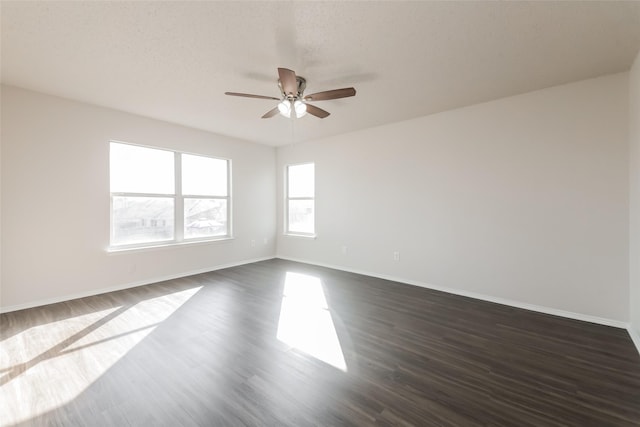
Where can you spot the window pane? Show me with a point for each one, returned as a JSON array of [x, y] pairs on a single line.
[[141, 170], [205, 218], [141, 219], [301, 180], [203, 176], [301, 216]]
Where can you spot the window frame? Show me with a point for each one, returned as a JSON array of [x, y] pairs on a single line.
[[178, 204], [287, 199]]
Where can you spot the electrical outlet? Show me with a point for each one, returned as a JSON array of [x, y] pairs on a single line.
[[396, 256], [344, 250]]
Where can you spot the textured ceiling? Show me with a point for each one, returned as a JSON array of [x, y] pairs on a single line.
[[174, 60]]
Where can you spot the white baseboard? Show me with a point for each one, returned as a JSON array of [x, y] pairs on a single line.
[[90, 293], [541, 309], [503, 301], [635, 337]]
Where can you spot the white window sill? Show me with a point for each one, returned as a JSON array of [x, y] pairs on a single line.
[[302, 236], [164, 245]]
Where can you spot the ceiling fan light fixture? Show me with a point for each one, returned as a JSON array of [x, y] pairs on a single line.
[[301, 108], [285, 108]]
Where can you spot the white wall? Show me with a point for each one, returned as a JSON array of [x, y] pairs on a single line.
[[55, 200], [634, 213], [522, 199]]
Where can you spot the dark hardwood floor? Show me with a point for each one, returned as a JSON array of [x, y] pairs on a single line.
[[219, 349]]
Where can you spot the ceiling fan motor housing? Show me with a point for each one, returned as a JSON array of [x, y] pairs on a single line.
[[302, 85]]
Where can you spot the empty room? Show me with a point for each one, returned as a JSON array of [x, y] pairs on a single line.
[[315, 213]]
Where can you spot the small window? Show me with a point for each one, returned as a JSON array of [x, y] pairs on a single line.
[[300, 203], [163, 197]]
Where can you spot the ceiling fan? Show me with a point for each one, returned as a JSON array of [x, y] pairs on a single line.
[[293, 99]]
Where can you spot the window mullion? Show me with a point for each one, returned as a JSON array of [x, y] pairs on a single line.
[[179, 199], [123, 194]]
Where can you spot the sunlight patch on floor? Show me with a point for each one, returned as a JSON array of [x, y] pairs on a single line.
[[305, 320], [47, 366]]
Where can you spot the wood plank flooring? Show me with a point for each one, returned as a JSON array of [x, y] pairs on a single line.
[[205, 351]]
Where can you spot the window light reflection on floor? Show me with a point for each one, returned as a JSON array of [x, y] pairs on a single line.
[[305, 320], [90, 345]]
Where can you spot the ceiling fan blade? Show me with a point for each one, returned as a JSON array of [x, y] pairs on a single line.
[[288, 81], [318, 112], [270, 113], [331, 94], [248, 95]]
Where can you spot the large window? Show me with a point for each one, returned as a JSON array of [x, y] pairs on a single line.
[[300, 200], [160, 196]]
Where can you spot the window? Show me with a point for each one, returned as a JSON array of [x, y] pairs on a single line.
[[160, 196], [300, 203]]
